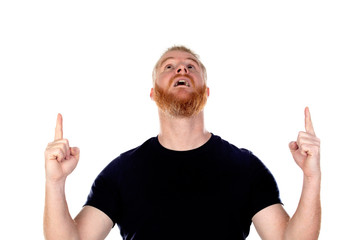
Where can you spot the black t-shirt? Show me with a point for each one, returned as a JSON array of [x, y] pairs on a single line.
[[211, 192]]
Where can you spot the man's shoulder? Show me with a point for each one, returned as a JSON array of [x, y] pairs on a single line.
[[237, 154], [140, 150], [230, 147]]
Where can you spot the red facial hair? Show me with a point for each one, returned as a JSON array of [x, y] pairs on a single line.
[[176, 106]]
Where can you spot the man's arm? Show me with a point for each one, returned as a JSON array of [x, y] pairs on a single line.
[[60, 161], [93, 224], [273, 222]]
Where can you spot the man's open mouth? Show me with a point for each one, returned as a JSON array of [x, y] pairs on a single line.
[[182, 82]]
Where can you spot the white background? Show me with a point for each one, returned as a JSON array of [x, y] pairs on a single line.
[[92, 61]]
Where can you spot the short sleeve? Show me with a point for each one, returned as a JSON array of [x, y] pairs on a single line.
[[264, 191], [104, 193]]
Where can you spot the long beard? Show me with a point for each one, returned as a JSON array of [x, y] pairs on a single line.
[[175, 106]]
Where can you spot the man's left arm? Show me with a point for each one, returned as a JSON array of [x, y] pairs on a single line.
[[273, 222]]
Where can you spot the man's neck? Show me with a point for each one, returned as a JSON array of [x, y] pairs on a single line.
[[182, 134]]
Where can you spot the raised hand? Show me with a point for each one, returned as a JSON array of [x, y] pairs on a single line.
[[306, 149], [60, 158]]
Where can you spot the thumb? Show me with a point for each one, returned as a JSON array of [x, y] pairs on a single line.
[[293, 146], [75, 151]]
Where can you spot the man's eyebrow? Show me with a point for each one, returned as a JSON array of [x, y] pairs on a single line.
[[194, 60], [162, 62], [168, 58]]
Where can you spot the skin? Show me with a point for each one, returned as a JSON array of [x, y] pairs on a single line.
[[181, 134], [60, 161], [273, 222]]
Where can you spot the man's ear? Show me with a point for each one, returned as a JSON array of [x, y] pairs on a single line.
[[208, 91], [152, 93]]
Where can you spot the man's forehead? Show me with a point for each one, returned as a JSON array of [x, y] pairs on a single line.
[[177, 55]]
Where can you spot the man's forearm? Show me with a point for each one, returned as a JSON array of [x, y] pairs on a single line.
[[305, 224], [58, 223]]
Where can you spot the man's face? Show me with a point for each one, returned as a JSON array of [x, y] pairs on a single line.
[[180, 88]]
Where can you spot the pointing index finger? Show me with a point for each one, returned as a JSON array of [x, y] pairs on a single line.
[[59, 127], [308, 123]]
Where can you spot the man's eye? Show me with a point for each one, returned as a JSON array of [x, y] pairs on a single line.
[[169, 66], [190, 66]]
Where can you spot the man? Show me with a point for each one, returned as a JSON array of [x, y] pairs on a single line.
[[186, 183]]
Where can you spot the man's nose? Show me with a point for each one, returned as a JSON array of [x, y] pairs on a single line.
[[181, 69]]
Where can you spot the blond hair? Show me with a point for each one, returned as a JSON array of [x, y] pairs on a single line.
[[182, 49]]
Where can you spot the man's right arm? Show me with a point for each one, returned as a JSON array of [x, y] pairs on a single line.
[[60, 161]]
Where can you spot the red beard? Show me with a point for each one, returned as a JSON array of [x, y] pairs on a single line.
[[181, 106]]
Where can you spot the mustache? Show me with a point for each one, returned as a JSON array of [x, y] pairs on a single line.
[[171, 82]]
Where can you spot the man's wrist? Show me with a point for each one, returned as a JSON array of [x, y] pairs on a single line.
[[55, 184], [313, 180]]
